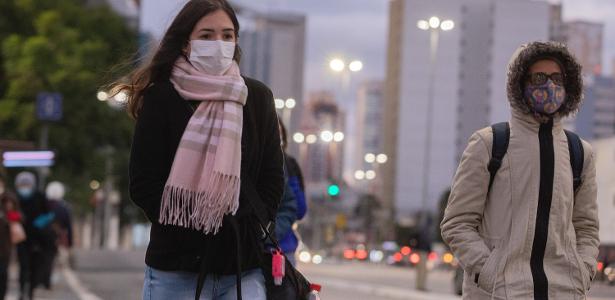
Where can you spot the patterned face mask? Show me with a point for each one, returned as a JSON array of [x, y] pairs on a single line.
[[546, 98]]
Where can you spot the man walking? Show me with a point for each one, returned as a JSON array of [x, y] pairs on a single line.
[[522, 214]]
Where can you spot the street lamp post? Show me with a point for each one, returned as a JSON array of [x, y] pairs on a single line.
[[286, 106], [434, 26]]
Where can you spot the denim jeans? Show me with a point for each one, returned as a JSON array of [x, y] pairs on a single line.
[[163, 285]]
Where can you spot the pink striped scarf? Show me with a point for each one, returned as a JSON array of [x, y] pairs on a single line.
[[205, 177]]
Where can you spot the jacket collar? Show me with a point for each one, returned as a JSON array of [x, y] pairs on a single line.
[[528, 122]]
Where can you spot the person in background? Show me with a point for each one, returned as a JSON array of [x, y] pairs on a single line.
[[293, 206], [62, 227], [9, 213], [41, 239]]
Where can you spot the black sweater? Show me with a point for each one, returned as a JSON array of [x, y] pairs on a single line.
[[158, 131]]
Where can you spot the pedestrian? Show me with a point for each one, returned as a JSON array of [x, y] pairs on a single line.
[[11, 232], [62, 227], [293, 207], [40, 240], [424, 240], [531, 230], [206, 146]]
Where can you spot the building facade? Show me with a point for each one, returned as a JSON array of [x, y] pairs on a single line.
[[596, 119], [273, 51], [469, 88]]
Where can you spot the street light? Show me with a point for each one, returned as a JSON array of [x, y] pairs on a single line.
[[102, 96], [381, 158], [326, 136], [298, 137], [359, 174], [311, 139], [338, 136], [369, 175], [435, 25], [121, 97], [355, 66], [370, 158], [279, 103], [337, 65], [290, 103]]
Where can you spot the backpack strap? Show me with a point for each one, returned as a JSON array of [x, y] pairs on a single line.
[[501, 135], [577, 155]]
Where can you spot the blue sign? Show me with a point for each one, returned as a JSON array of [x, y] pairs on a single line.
[[49, 106]]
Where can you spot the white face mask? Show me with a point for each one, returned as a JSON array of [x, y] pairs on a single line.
[[212, 57]]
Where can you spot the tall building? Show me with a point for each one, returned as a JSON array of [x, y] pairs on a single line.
[[273, 46], [557, 29], [596, 119], [584, 39], [605, 176], [369, 127], [321, 160], [469, 88]]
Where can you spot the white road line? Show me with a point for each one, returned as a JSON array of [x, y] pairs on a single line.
[[76, 286]]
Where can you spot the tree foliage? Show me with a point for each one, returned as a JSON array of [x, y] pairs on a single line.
[[68, 47]]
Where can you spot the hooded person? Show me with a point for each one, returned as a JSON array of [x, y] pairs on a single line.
[[530, 234], [40, 237]]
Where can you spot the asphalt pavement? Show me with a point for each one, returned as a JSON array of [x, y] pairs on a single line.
[[98, 275]]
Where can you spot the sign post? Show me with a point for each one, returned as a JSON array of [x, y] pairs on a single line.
[[48, 109]]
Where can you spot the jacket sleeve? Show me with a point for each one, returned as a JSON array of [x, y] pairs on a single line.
[[463, 214], [147, 157], [287, 214], [270, 184], [585, 214]]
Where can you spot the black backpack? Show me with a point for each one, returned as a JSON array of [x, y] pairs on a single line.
[[501, 135]]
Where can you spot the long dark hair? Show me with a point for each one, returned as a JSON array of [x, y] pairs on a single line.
[[171, 47]]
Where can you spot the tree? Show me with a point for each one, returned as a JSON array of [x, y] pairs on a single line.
[[67, 47]]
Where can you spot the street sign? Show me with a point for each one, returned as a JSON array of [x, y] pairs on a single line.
[[20, 159], [49, 106]]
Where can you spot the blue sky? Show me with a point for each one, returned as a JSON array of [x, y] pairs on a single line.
[[357, 29]]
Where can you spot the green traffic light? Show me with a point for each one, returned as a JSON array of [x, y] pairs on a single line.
[[333, 190]]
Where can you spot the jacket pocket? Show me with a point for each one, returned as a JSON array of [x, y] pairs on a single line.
[[488, 273], [582, 270]]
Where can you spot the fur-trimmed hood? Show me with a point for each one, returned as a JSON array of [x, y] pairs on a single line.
[[527, 55]]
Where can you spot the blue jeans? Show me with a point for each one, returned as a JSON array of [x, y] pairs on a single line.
[[163, 285]]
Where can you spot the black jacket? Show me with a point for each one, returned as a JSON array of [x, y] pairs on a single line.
[[158, 131]]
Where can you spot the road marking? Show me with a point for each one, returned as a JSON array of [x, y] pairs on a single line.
[[382, 290], [76, 286]]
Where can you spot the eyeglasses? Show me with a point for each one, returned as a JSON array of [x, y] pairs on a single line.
[[541, 78]]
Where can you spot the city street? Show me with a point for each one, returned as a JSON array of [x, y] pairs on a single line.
[[119, 275]]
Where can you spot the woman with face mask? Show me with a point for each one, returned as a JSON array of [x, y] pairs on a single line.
[[206, 144], [531, 230]]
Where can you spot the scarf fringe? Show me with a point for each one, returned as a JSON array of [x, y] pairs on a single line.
[[201, 210]]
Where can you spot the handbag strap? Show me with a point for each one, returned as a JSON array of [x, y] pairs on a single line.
[[258, 207]]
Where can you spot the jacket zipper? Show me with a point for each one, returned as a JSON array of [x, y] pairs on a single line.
[[545, 195]]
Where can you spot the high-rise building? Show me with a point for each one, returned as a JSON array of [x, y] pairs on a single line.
[[273, 51], [584, 39], [321, 159], [605, 164], [557, 29], [369, 128], [596, 119], [469, 88]]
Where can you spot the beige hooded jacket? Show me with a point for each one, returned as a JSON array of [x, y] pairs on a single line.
[[530, 236]]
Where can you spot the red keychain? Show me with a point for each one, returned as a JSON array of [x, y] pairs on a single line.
[[277, 267]]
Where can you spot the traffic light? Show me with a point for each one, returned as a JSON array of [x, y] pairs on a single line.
[[333, 190]]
